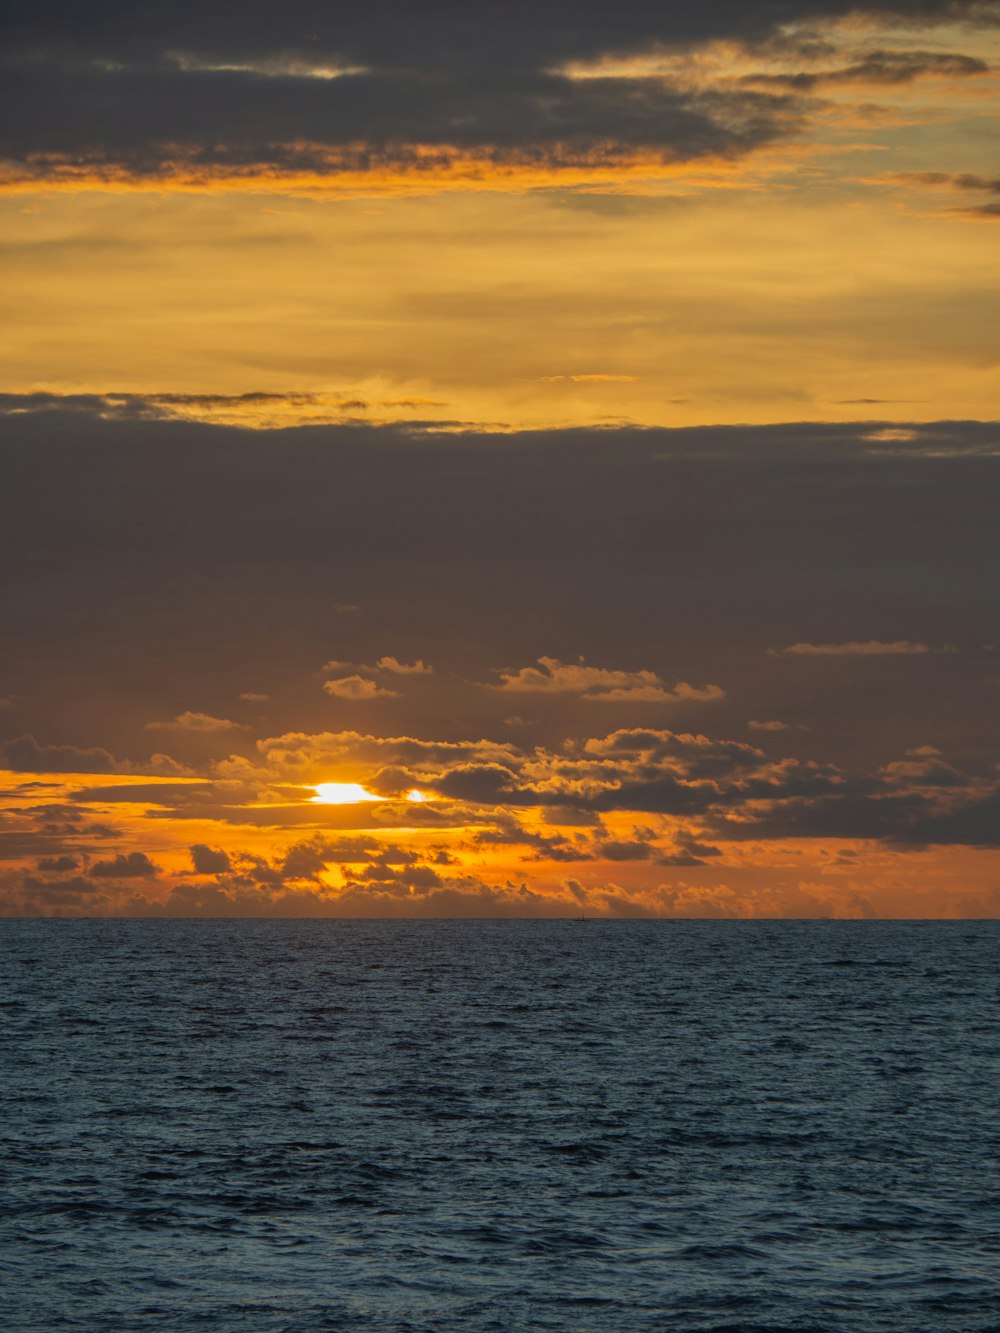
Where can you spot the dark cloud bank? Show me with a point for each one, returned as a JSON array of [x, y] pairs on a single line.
[[163, 569], [150, 89]]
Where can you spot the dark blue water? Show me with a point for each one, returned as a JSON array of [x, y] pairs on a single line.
[[519, 1126]]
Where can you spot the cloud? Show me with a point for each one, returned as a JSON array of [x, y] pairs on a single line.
[[418, 894], [879, 67], [772, 725], [23, 754], [392, 664], [590, 379], [304, 756], [627, 770], [708, 787], [864, 810], [625, 850], [601, 685], [250, 697], [199, 722], [688, 851], [158, 92], [67, 896], [209, 860], [871, 648], [203, 125], [58, 863], [489, 784], [357, 688], [133, 865], [963, 182]]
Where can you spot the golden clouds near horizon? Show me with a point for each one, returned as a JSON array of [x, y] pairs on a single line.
[[128, 845]]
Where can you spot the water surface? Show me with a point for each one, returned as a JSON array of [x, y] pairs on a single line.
[[298, 1125]]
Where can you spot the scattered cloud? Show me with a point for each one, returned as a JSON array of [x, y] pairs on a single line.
[[133, 865], [390, 664], [198, 722], [870, 648], [393, 665], [598, 684], [357, 688]]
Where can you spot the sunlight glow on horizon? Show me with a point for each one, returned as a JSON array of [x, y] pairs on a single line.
[[352, 793], [341, 793]]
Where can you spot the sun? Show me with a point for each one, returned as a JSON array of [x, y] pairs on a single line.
[[351, 793], [341, 793]]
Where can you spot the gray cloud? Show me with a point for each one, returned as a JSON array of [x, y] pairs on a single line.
[[963, 183], [58, 863], [618, 849], [880, 67], [209, 860], [23, 754], [162, 87], [854, 648], [133, 865], [498, 34]]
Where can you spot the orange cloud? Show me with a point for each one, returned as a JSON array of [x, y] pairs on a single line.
[[191, 721], [358, 688], [601, 685]]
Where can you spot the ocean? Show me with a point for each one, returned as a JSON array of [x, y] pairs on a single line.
[[292, 1126]]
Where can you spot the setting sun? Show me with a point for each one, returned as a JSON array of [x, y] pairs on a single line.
[[350, 793], [341, 793]]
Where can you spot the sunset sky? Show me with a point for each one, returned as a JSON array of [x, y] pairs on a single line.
[[500, 460]]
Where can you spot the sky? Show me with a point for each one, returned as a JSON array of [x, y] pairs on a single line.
[[500, 459]]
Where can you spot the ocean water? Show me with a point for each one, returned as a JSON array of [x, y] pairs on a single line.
[[515, 1126]]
